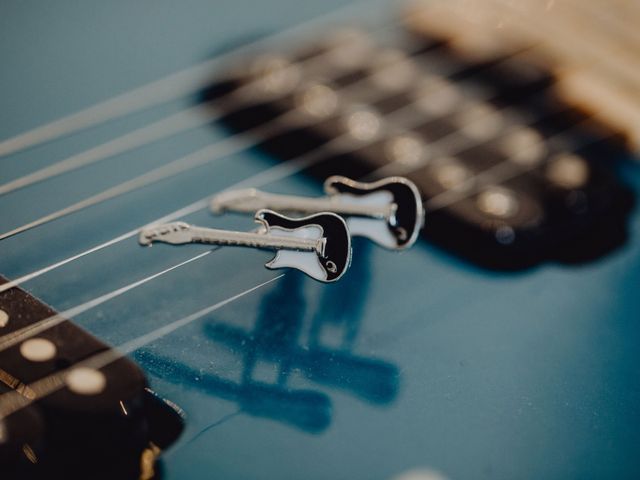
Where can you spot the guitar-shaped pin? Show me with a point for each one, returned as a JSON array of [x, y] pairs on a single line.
[[388, 212], [318, 245]]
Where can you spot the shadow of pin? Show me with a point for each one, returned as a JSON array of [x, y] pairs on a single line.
[[277, 338], [307, 410]]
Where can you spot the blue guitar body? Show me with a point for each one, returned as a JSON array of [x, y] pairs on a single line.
[[419, 360]]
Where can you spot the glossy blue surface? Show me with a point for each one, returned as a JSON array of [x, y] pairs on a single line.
[[413, 360]]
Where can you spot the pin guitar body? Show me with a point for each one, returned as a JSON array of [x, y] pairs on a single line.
[[388, 212], [318, 245]]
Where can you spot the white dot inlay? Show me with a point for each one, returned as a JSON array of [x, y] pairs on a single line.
[[4, 318], [451, 174], [38, 349], [86, 381], [363, 125], [318, 100]]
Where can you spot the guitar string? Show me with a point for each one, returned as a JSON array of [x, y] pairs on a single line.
[[215, 151], [173, 124], [12, 402], [205, 155], [173, 86], [505, 170], [185, 120]]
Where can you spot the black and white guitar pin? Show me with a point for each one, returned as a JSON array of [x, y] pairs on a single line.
[[318, 245]]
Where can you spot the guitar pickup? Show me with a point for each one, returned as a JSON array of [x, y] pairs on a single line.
[[510, 174], [96, 422]]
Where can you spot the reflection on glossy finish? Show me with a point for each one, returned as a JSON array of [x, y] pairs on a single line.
[[324, 355]]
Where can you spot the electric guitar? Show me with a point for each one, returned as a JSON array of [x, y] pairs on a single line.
[[499, 340]]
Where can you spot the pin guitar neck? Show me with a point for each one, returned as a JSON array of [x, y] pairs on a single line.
[[99, 425], [179, 233], [318, 245], [251, 200]]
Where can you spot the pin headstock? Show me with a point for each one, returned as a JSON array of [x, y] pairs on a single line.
[[175, 233]]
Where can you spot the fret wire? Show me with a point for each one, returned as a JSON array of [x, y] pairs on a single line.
[[171, 87], [188, 162]]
